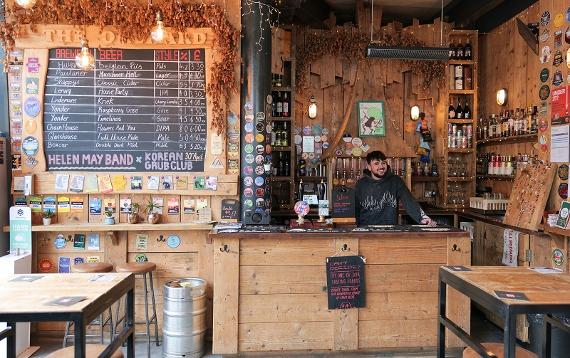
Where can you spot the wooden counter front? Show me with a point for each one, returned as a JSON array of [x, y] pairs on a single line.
[[270, 291]]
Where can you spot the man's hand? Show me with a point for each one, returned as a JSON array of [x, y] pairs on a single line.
[[427, 221]]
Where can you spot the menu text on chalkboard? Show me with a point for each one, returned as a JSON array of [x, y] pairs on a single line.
[[139, 110], [230, 209], [343, 202], [345, 282]]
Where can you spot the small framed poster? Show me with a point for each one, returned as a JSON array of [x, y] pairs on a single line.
[[371, 119]]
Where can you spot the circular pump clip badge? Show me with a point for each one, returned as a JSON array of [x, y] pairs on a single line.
[[557, 257], [32, 106], [544, 74], [59, 242], [45, 265], [563, 190], [545, 18], [544, 92], [30, 146], [173, 241]]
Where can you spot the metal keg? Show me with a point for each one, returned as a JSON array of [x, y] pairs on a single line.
[[184, 321]]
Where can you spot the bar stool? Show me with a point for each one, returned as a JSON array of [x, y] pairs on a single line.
[[145, 269], [91, 351], [497, 349], [92, 267]]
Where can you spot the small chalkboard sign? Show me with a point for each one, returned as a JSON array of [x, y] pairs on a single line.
[[345, 282], [230, 210], [342, 202]]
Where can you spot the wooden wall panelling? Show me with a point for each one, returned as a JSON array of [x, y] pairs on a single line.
[[226, 296], [458, 307], [345, 335]]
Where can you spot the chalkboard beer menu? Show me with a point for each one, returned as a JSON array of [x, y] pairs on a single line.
[[139, 110]]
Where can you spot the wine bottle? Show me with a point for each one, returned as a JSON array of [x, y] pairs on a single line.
[[279, 105], [466, 111], [285, 112], [468, 52], [459, 110], [451, 112], [452, 51], [460, 52]]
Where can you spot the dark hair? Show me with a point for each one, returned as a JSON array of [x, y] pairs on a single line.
[[375, 155]]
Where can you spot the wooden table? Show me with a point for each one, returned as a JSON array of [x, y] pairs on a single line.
[[27, 301], [547, 294]]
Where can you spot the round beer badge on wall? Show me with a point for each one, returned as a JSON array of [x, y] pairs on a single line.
[[544, 35], [557, 79], [558, 59], [248, 170], [563, 190], [248, 203], [567, 35], [558, 20], [32, 106], [545, 54], [542, 139], [259, 181], [557, 257], [545, 18], [30, 146], [59, 242], [544, 92], [78, 260], [543, 125], [173, 241], [563, 172], [248, 181], [249, 158], [249, 138], [45, 265], [248, 192], [248, 148], [544, 74], [248, 127]]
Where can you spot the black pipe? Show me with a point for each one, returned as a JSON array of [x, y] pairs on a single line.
[[255, 86]]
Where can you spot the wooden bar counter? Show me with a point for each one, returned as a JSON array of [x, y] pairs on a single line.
[[270, 289]]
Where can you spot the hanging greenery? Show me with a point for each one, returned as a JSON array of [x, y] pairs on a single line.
[[351, 44], [134, 21]]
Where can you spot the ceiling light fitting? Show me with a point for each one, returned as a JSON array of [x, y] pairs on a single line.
[[26, 4], [406, 53], [158, 32]]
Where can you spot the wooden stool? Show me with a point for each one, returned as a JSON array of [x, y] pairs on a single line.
[[497, 349], [92, 267], [91, 351], [145, 269]]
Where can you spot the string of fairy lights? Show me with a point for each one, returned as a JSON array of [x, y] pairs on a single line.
[[268, 16]]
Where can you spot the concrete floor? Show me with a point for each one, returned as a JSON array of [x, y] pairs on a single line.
[[481, 328]]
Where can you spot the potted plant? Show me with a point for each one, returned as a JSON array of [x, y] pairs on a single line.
[[109, 219], [46, 217], [153, 217], [133, 216]]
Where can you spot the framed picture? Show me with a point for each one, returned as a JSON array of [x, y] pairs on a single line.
[[371, 119]]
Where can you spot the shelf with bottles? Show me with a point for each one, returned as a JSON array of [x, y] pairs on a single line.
[[458, 194], [461, 179], [281, 104], [492, 165], [460, 121], [510, 139], [312, 178], [496, 177], [509, 126], [280, 135], [457, 167], [281, 166], [423, 178]]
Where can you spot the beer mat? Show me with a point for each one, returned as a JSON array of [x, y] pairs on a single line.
[[458, 268], [26, 278], [546, 270], [66, 301], [511, 295]]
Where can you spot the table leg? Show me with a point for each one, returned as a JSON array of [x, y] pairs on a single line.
[[510, 334], [79, 337], [130, 318], [11, 340], [546, 342], [441, 327]]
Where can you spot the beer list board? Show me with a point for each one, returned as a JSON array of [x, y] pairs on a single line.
[[345, 282], [139, 110]]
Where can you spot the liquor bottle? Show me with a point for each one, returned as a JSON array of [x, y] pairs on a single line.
[[284, 135], [286, 166], [468, 51], [459, 77], [279, 105], [451, 112], [459, 110], [460, 51], [273, 134], [452, 51], [285, 112], [468, 77], [274, 104], [466, 111]]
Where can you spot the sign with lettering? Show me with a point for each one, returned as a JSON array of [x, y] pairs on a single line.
[[20, 229], [230, 210], [342, 202], [139, 110], [345, 282]]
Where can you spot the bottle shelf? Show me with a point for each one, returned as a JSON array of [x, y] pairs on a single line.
[[281, 149], [508, 140], [454, 91], [496, 177], [282, 88], [424, 178], [462, 62], [460, 179], [311, 178], [276, 178], [460, 150], [460, 121], [282, 119]]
